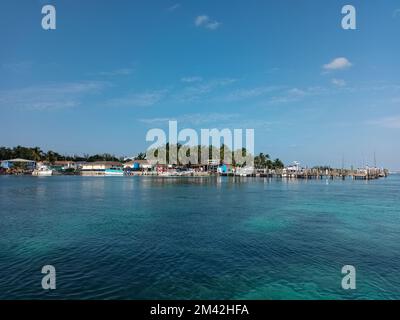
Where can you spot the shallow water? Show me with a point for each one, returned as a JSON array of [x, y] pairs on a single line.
[[198, 238]]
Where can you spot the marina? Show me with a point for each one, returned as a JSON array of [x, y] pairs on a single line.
[[199, 159], [148, 168]]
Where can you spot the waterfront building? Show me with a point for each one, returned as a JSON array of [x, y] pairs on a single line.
[[225, 169], [161, 168], [64, 165], [292, 170], [198, 167], [245, 171], [99, 168], [138, 165], [8, 164]]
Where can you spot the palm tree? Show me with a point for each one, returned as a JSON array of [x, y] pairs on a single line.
[[141, 156], [38, 154], [278, 164]]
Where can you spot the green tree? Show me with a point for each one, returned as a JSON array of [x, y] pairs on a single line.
[[278, 164], [141, 156], [262, 161]]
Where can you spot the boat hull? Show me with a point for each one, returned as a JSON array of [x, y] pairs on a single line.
[[42, 173], [114, 173]]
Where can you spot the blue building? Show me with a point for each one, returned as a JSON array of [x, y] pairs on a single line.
[[8, 164]]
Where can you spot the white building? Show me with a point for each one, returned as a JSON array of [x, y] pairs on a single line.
[[98, 168], [138, 165], [294, 169]]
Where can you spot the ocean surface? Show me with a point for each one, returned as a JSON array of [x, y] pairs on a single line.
[[198, 238]]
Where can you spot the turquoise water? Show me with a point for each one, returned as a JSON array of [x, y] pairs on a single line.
[[198, 238]]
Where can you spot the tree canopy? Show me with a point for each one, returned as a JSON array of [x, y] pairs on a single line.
[[194, 154], [36, 154]]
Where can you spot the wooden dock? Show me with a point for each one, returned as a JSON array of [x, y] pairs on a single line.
[[343, 174]]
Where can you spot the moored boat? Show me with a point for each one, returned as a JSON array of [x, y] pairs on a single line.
[[42, 171], [114, 171]]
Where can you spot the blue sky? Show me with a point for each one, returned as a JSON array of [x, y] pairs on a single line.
[[114, 69]]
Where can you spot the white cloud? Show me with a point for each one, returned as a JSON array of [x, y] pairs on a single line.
[[339, 82], [49, 96], [392, 122], [116, 72], [197, 90], [200, 20], [274, 94], [250, 93], [174, 7], [213, 25], [17, 67], [337, 64], [144, 99], [191, 79], [214, 120], [194, 119], [297, 92], [206, 22], [193, 89], [295, 95]]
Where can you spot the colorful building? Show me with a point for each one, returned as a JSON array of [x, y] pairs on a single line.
[[8, 164], [138, 165], [99, 168]]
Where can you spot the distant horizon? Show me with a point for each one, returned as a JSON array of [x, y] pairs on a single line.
[[273, 156]]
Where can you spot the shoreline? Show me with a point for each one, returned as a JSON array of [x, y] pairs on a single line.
[[214, 175]]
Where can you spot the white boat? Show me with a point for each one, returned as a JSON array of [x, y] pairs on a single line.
[[245, 172], [42, 171]]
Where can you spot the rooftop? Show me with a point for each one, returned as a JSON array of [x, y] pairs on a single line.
[[19, 160], [110, 163]]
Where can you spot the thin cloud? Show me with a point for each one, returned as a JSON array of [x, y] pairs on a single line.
[[250, 93], [396, 13], [174, 7], [197, 90], [295, 95], [338, 82], [297, 92], [191, 79], [17, 67], [116, 72], [49, 96], [213, 120], [205, 22], [143, 99], [194, 119], [392, 122], [337, 64], [213, 25], [200, 20]]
